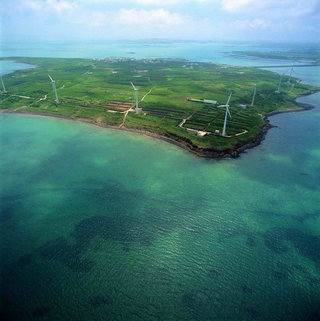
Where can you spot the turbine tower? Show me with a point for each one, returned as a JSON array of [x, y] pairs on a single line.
[[4, 88], [54, 89], [136, 98], [291, 70], [254, 94], [279, 86], [226, 106]]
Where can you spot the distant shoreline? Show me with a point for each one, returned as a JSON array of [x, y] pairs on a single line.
[[186, 144]]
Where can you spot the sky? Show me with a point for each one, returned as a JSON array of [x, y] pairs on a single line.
[[216, 20]]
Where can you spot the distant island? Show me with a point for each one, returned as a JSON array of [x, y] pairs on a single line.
[[213, 110], [312, 56]]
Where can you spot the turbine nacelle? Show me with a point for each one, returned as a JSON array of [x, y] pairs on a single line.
[[227, 109]]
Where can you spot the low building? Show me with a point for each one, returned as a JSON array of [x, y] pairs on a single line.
[[193, 131], [203, 101], [200, 133]]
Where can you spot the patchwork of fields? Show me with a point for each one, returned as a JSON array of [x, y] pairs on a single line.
[[101, 91]]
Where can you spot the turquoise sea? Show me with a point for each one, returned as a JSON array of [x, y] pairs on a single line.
[[99, 224]]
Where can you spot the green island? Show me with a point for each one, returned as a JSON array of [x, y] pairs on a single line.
[[311, 55], [180, 101]]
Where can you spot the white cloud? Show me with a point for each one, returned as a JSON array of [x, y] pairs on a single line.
[[185, 19], [148, 18], [293, 8], [131, 21], [56, 5], [236, 5], [157, 3], [166, 2], [272, 8], [36, 5]]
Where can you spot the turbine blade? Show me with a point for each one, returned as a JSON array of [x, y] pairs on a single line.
[[133, 86], [229, 112], [229, 99], [51, 78]]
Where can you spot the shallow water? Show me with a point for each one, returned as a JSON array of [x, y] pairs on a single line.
[[99, 224], [218, 52], [8, 66]]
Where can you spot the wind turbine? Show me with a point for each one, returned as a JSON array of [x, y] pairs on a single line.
[[4, 88], [279, 86], [53, 82], [226, 106], [291, 73], [254, 94], [136, 90]]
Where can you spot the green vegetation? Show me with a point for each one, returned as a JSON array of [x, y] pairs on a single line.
[[100, 90]]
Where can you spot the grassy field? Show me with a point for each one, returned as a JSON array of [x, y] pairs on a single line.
[[101, 91]]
